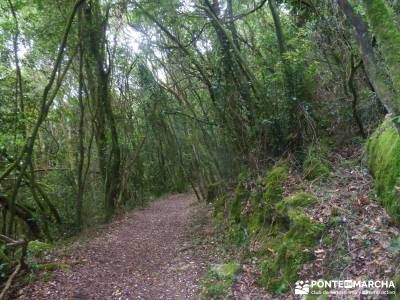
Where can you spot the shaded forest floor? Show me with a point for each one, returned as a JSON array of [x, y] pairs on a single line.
[[147, 254]]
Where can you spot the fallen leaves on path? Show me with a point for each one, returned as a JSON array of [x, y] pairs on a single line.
[[147, 254]]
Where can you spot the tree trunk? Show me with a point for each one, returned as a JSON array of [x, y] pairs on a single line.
[[381, 19], [98, 79], [81, 132], [364, 39]]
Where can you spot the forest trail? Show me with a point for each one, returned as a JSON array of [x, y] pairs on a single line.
[[140, 256]]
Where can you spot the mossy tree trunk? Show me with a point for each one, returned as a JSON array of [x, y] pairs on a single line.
[[81, 148], [98, 68], [370, 62], [382, 22]]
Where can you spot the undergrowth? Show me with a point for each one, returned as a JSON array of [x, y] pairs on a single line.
[[219, 279], [315, 164], [259, 213]]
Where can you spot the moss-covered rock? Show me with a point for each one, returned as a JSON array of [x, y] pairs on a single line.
[[51, 267], [302, 228], [37, 248], [383, 149], [255, 222], [219, 279], [287, 234], [292, 247], [220, 207], [280, 225], [240, 198], [301, 199], [226, 271], [315, 163], [263, 203], [274, 184]]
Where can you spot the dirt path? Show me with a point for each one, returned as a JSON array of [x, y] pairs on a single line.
[[141, 256]]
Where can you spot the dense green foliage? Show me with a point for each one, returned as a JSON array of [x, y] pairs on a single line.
[[106, 104]]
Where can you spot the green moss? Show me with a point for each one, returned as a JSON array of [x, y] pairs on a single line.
[[263, 202], [286, 233], [291, 249], [253, 212], [396, 281], [240, 198], [219, 279], [215, 290], [255, 223], [328, 241], [315, 163], [303, 228], [229, 270], [51, 267], [219, 205], [273, 184], [382, 21], [37, 248], [235, 209], [297, 200], [384, 163], [280, 225], [237, 235], [281, 270]]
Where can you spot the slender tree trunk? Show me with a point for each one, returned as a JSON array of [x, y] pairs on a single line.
[[81, 133], [353, 90], [19, 93]]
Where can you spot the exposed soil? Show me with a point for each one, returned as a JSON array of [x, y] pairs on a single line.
[[147, 254]]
